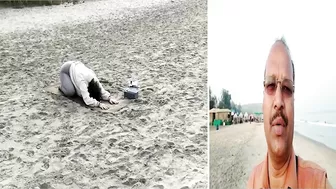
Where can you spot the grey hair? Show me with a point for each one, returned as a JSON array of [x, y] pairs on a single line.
[[283, 41]]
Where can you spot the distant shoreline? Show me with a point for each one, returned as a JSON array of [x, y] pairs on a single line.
[[314, 141]]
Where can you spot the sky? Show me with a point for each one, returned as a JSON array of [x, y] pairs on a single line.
[[241, 33]]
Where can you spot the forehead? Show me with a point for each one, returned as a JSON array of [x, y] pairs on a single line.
[[279, 62]]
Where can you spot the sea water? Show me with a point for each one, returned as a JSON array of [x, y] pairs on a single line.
[[318, 126]]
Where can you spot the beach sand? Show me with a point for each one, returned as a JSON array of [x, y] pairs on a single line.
[[158, 141], [236, 149]]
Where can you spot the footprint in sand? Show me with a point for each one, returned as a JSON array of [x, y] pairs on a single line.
[[79, 146], [2, 125], [18, 160], [45, 186], [68, 181], [38, 146], [45, 164], [144, 153], [162, 102], [112, 141], [144, 119], [110, 172], [112, 187], [177, 151], [158, 187], [65, 144], [132, 181], [61, 153], [122, 167], [43, 113], [5, 155], [169, 145], [140, 148], [130, 147], [9, 186], [123, 143], [83, 156], [190, 148], [170, 172], [30, 153]]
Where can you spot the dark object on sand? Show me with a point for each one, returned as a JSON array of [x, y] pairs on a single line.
[[132, 91]]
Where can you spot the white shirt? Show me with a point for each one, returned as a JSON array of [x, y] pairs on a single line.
[[81, 76]]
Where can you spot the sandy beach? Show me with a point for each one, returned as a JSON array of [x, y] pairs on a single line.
[[236, 149], [157, 141]]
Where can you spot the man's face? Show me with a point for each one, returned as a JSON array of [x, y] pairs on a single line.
[[278, 102]]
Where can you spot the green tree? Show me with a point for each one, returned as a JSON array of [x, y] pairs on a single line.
[[225, 100], [212, 100], [239, 108], [215, 101], [233, 106]]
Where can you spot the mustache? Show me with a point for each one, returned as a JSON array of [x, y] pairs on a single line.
[[279, 114]]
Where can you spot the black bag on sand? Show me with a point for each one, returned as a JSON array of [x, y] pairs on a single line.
[[131, 93]]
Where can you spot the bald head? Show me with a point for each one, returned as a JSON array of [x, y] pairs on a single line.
[[280, 52]]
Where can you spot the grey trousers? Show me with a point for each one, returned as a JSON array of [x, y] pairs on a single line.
[[67, 86]]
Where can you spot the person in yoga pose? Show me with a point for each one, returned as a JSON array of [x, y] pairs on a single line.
[[77, 79]]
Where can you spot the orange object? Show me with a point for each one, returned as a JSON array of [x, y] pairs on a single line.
[[306, 175]]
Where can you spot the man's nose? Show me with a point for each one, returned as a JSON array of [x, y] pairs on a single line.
[[278, 98]]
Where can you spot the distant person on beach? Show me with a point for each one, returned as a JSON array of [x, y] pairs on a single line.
[[77, 79], [281, 168]]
